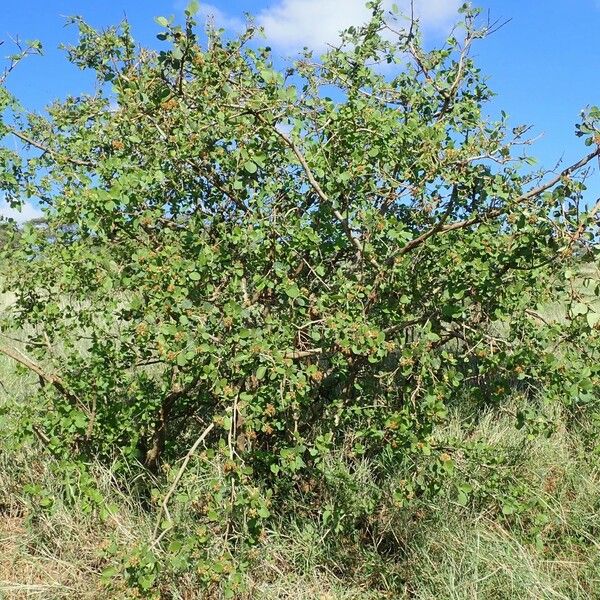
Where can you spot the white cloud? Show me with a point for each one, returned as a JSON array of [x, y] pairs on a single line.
[[27, 212], [293, 24]]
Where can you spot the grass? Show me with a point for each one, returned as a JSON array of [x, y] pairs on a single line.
[[481, 554]]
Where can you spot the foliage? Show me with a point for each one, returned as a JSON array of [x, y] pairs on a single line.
[[280, 263]]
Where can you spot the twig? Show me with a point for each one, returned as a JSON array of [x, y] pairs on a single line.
[[32, 48], [49, 378], [41, 435], [536, 315], [303, 353], [496, 212], [164, 506]]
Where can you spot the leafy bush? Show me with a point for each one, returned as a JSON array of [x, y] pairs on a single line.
[[263, 265]]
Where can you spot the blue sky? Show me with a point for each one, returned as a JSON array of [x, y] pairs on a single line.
[[544, 64]]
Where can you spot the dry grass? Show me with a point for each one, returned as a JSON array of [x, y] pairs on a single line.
[[25, 573]]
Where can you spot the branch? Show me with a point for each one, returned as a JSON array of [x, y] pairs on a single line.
[[164, 508], [400, 326], [564, 173], [438, 227], [32, 48], [536, 315], [54, 154], [52, 380], [441, 228], [303, 353], [322, 195]]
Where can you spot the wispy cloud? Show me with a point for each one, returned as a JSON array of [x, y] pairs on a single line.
[[27, 212]]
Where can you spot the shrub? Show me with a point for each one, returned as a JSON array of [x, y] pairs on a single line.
[[269, 263]]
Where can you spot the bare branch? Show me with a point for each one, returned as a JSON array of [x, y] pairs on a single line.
[[31, 48], [49, 378], [303, 353], [164, 509]]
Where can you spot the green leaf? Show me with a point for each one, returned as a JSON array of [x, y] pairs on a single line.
[[80, 420], [462, 498], [250, 166], [109, 573], [508, 509], [579, 308], [293, 291], [261, 372], [464, 490], [593, 318], [146, 581], [162, 21], [451, 311], [192, 8], [269, 75]]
